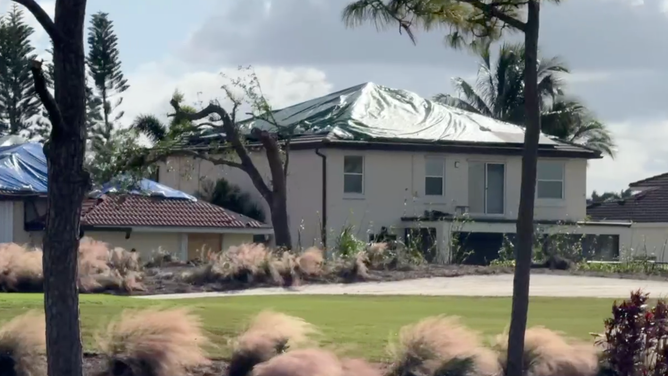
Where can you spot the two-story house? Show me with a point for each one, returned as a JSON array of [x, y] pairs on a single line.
[[384, 160]]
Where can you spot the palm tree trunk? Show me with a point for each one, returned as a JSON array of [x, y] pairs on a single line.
[[523, 252]]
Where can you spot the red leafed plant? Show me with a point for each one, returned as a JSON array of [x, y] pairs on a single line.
[[635, 342]]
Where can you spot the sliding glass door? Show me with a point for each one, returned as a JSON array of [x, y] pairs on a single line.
[[487, 183]]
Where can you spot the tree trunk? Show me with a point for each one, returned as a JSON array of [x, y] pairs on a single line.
[[279, 220], [525, 213], [68, 183]]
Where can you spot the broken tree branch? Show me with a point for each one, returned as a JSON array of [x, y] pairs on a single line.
[[234, 138], [43, 18], [55, 116]]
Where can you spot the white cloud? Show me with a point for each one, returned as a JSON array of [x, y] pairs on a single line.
[[641, 146], [152, 86]]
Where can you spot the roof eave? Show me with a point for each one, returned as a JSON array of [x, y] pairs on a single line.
[[265, 230], [450, 147]]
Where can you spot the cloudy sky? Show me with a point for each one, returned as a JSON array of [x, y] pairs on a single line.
[[616, 49]]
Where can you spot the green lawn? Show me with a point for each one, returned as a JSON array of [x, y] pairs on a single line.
[[361, 323]]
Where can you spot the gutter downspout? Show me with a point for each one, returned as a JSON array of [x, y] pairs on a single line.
[[323, 229]]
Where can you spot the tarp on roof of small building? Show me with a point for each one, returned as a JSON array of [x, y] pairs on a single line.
[[23, 168], [374, 112], [144, 187]]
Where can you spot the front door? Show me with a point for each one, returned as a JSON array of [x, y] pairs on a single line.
[[487, 183]]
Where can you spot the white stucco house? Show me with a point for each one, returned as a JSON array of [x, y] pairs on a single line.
[[381, 159]]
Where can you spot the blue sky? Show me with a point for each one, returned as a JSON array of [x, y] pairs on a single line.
[[616, 50]]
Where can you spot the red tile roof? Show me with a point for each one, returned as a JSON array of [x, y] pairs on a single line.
[[143, 211]]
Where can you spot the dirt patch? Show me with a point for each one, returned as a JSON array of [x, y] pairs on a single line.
[[167, 279]]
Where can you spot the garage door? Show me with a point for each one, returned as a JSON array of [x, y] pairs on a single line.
[[6, 221], [200, 244]]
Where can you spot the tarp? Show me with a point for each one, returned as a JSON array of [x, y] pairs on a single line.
[[23, 168], [369, 111], [142, 187]]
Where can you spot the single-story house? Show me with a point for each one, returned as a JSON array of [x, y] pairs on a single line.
[[383, 160], [646, 211], [150, 218]]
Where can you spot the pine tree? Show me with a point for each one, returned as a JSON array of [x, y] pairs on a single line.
[[19, 103], [105, 69], [93, 106]]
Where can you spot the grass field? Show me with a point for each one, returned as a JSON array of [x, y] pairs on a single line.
[[361, 323]]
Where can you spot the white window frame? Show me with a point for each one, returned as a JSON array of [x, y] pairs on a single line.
[[562, 165], [353, 194], [442, 176]]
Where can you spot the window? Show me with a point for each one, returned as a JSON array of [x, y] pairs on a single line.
[[353, 174], [434, 174], [550, 180], [487, 188]]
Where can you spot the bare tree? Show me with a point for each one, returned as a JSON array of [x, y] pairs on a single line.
[[68, 181], [474, 23], [234, 150]]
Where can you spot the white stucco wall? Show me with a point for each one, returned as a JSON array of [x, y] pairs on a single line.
[[646, 239], [394, 187]]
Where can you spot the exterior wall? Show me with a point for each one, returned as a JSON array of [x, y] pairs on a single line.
[[649, 239], [444, 229], [145, 243], [230, 240], [393, 185], [21, 236], [6, 221], [304, 193]]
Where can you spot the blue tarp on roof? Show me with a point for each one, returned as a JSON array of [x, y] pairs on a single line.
[[144, 187], [23, 168]]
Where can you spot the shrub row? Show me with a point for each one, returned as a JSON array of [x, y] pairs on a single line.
[[166, 342]]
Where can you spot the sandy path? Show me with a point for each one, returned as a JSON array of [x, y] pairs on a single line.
[[490, 285]]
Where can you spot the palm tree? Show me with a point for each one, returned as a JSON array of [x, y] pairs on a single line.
[[499, 93], [569, 120], [157, 131]]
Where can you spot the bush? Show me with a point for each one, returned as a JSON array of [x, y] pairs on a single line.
[[310, 362], [268, 335], [439, 345], [549, 353], [154, 343], [23, 346], [20, 268], [100, 268], [635, 337], [254, 263]]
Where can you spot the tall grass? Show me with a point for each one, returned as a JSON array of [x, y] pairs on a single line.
[[154, 343], [23, 346], [101, 268], [170, 342], [268, 335]]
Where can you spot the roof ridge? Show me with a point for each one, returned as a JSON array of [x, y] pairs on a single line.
[[636, 183]]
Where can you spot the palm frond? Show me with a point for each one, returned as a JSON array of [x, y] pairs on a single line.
[[378, 13], [469, 95], [449, 100], [569, 120], [151, 127]]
